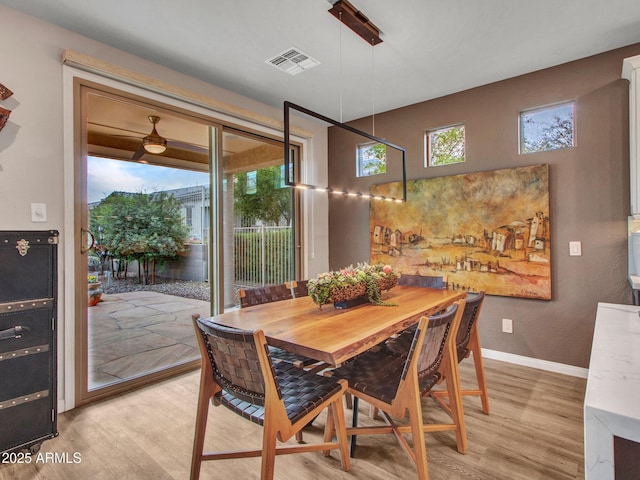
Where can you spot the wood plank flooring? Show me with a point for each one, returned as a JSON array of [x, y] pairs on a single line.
[[535, 431]]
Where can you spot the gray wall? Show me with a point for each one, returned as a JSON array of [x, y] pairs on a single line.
[[589, 193]]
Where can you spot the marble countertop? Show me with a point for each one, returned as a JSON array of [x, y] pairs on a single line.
[[612, 399]]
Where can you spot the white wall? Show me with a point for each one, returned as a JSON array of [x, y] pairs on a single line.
[[32, 162]]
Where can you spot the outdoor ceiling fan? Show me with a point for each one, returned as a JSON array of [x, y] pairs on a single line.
[[156, 144]]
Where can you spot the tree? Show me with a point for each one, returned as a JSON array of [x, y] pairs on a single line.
[[139, 226], [446, 146], [266, 200], [373, 159], [557, 133]]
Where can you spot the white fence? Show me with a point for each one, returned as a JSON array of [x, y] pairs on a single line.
[[263, 255]]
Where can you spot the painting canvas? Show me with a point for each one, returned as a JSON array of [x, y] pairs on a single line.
[[482, 231]]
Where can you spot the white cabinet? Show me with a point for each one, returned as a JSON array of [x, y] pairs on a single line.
[[631, 71]]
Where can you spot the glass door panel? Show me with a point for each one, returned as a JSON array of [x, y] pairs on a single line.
[[259, 214], [148, 269]]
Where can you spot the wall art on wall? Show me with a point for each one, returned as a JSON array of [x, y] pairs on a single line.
[[4, 113], [483, 231]]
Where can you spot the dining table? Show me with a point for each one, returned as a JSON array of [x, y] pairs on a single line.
[[333, 335]]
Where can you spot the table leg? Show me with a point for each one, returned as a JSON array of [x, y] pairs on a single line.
[[354, 424]]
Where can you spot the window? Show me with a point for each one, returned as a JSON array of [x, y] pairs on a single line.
[[372, 159], [189, 216], [444, 146], [547, 128]]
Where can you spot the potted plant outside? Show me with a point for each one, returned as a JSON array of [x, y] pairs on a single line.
[[94, 290]]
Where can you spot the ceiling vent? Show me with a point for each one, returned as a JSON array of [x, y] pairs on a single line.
[[293, 61]]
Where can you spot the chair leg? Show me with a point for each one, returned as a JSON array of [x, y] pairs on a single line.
[[329, 429], [474, 346], [452, 378], [417, 436], [340, 426], [268, 451], [206, 387]]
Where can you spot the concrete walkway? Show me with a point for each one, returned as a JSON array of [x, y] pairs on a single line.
[[135, 333]]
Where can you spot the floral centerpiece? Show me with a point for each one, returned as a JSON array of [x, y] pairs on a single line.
[[351, 282]]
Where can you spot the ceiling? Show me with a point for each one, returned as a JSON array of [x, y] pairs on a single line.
[[117, 125], [430, 48]]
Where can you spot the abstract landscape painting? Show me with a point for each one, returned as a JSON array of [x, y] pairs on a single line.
[[482, 231]]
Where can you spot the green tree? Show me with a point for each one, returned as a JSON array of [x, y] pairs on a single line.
[[373, 159], [138, 226], [446, 146], [268, 202]]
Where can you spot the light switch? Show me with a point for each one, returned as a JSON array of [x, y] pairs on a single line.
[[38, 212], [575, 249]]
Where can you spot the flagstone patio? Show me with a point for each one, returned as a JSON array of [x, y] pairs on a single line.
[[135, 333]]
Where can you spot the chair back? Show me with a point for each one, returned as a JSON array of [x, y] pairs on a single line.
[[469, 317], [235, 361], [267, 294], [299, 288], [429, 354], [423, 281]]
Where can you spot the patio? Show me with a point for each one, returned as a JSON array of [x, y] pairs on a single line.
[[135, 333]]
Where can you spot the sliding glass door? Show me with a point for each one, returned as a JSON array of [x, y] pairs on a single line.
[[167, 232], [259, 214], [144, 269]]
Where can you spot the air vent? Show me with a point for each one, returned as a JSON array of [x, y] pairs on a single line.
[[293, 61]]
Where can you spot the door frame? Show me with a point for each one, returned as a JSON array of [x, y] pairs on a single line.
[[82, 393], [75, 297]]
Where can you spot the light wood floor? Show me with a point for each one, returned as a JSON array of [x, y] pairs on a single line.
[[535, 431]]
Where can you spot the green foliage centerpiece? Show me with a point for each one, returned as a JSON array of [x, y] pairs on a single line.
[[364, 281]]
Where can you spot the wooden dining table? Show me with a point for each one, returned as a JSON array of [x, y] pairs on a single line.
[[333, 335]]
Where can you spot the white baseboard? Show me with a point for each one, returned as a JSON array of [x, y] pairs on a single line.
[[536, 363]]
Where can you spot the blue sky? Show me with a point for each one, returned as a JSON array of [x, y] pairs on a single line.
[[106, 176]]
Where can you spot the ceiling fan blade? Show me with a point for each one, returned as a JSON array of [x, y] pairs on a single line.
[[138, 154], [187, 146]]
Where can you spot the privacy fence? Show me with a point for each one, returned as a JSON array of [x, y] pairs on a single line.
[[263, 255]]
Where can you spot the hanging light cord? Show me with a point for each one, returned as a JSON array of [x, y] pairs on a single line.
[[373, 90], [340, 65]]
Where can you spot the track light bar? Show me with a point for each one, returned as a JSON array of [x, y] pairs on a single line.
[[304, 186], [346, 193]]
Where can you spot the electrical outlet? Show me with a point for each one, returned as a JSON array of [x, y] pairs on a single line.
[[507, 325]]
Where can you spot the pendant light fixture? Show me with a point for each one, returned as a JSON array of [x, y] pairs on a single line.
[[154, 143], [348, 15]]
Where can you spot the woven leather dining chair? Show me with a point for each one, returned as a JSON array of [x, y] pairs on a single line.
[[468, 342], [395, 384], [266, 294], [424, 281], [274, 293], [237, 372], [399, 344], [298, 288]]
